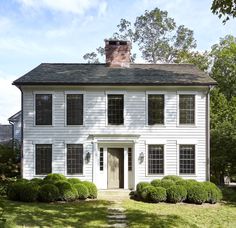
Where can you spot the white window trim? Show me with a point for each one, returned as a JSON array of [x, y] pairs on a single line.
[[84, 106], [84, 154], [195, 93], [115, 92], [34, 103], [186, 142], [157, 142], [34, 155], [146, 108]]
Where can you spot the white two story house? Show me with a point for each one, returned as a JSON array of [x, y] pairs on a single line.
[[117, 123]]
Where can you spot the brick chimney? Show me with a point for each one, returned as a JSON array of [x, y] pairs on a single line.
[[117, 53]]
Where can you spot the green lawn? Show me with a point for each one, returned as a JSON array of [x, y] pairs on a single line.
[[141, 214], [77, 214]]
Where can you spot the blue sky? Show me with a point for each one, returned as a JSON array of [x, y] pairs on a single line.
[[35, 31]]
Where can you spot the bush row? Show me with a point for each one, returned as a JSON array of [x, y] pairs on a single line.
[[52, 188], [174, 189]]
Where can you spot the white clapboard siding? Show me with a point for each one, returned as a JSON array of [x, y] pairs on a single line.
[[95, 123]]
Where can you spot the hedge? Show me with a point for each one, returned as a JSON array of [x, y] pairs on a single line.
[[74, 181], [92, 189], [48, 193], [140, 186], [52, 178], [67, 192], [82, 190], [176, 194]]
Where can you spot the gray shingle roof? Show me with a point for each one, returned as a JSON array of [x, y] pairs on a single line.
[[100, 74]]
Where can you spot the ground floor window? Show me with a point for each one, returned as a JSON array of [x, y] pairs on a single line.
[[187, 159], [129, 159], [155, 159], [43, 157], [74, 158], [101, 159]]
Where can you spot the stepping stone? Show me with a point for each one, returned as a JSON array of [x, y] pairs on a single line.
[[117, 216]]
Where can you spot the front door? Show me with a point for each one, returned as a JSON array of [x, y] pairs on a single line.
[[115, 168]]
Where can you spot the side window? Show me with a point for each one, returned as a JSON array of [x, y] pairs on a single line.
[[43, 108], [155, 109], [101, 160], [155, 159], [186, 109], [74, 109], [187, 159], [130, 165]]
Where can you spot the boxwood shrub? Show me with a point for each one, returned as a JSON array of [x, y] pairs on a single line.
[[48, 193], [167, 183], [14, 190], [156, 183], [37, 181], [145, 192], [52, 178], [140, 186], [29, 192], [197, 193], [173, 178], [214, 194], [74, 181], [156, 194], [67, 192], [176, 194], [92, 189], [82, 190]]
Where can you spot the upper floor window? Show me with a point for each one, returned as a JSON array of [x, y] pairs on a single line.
[[74, 158], [43, 155], [155, 159], [187, 159], [155, 109], [74, 109], [43, 109], [186, 109], [115, 109]]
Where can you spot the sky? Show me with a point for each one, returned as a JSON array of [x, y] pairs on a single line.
[[36, 31]]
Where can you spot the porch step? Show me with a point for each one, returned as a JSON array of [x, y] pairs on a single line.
[[114, 195]]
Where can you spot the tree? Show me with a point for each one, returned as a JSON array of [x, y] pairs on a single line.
[[225, 8], [224, 65]]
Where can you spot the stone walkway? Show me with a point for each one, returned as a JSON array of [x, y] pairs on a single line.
[[116, 215]]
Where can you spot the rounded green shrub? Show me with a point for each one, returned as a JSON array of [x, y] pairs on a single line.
[[167, 183], [14, 190], [145, 192], [140, 186], [52, 178], [214, 194], [196, 193], [156, 194], [67, 192], [29, 192], [156, 183], [48, 193], [93, 192], [74, 181], [176, 194], [173, 178], [37, 181], [82, 190]]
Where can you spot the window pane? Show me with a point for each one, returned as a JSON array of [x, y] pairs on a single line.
[[74, 159], [155, 159], [115, 109], [187, 159], [43, 159], [101, 159], [129, 159], [186, 109], [155, 109], [74, 109], [43, 109]]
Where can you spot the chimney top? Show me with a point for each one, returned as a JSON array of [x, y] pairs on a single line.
[[117, 53]]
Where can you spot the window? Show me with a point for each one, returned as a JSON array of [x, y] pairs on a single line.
[[43, 159], [187, 159], [74, 109], [155, 109], [186, 109], [74, 159], [115, 109], [101, 159], [129, 159], [43, 109], [155, 159]]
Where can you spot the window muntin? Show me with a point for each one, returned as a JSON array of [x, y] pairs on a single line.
[[74, 158], [74, 109], [155, 159], [43, 106], [129, 159], [155, 109], [43, 155], [115, 109], [186, 109], [187, 159], [101, 159]]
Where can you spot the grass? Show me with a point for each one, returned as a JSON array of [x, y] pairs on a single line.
[[75, 214]]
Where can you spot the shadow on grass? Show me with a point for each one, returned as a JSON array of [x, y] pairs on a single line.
[[75, 214], [138, 218], [229, 195]]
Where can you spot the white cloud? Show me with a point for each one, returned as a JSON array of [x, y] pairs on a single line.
[[66, 6]]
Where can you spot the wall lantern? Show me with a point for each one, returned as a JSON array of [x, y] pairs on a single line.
[[87, 157], [141, 157]]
